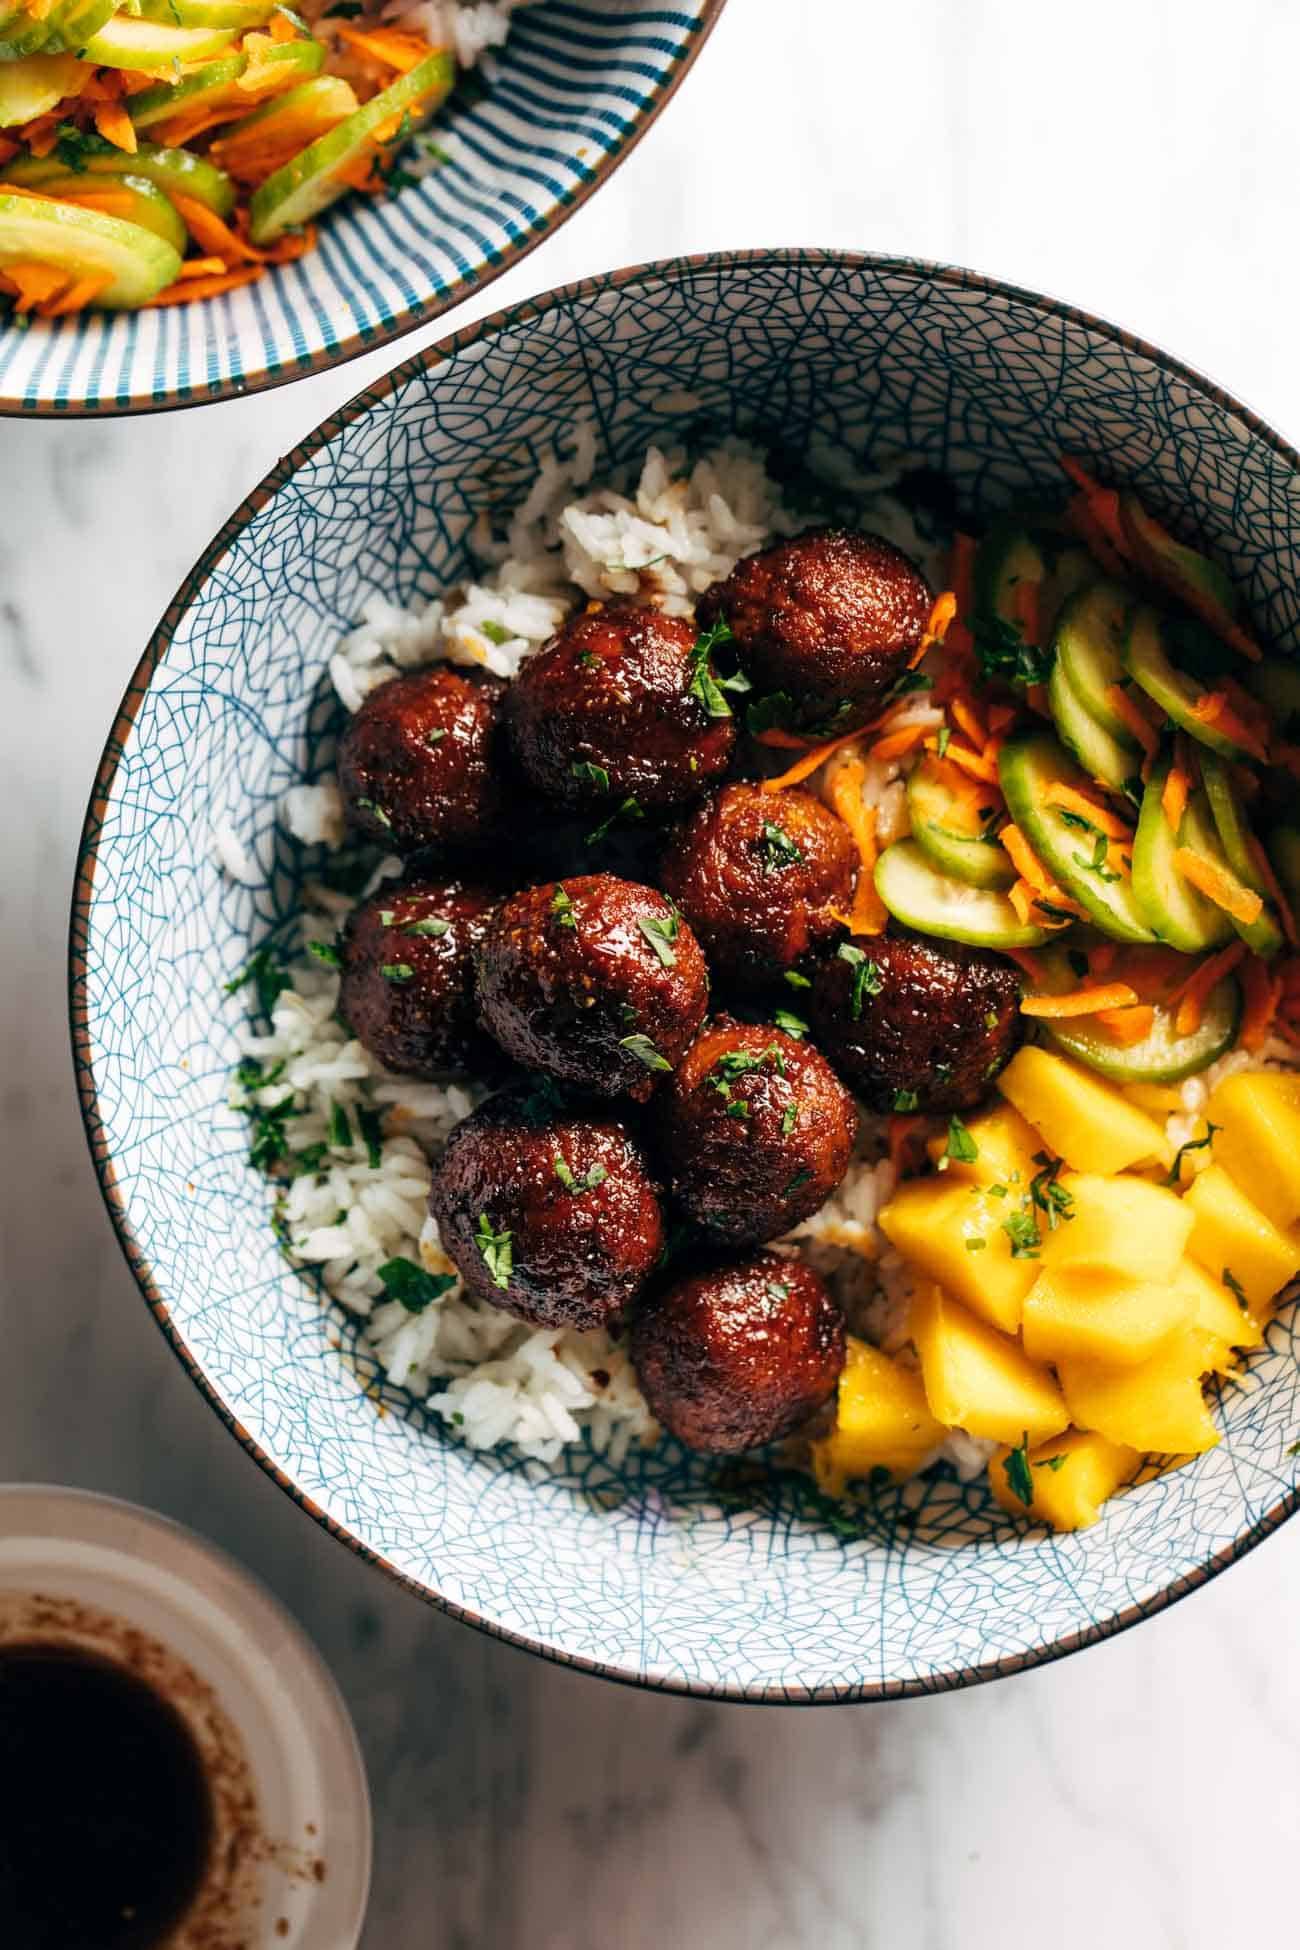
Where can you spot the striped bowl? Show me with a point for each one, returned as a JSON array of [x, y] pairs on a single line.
[[576, 85], [649, 1569]]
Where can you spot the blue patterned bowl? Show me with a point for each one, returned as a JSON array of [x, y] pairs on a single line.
[[575, 87], [635, 1571]]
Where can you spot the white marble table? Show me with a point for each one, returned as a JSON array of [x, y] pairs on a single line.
[[1138, 157]]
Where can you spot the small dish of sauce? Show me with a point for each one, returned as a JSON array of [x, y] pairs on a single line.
[[106, 1813]]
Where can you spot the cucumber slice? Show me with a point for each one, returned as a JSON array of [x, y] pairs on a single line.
[[1090, 646], [147, 205], [22, 34], [1007, 557], [1148, 660], [196, 90], [1276, 683], [937, 830], [1170, 904], [1072, 571], [237, 14], [1162, 1056], [33, 87], [918, 895], [1101, 756], [286, 123], [1264, 935], [1027, 767], [1284, 853], [1190, 577], [83, 244], [124, 42], [311, 181], [73, 22], [171, 170]]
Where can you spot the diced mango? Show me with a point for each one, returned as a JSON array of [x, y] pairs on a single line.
[[1221, 1321], [1082, 1118], [1005, 1147], [1233, 1240], [1158, 1100], [953, 1232], [882, 1421], [1157, 1404], [1258, 1140], [1072, 1475], [979, 1380], [1124, 1226], [1085, 1314]]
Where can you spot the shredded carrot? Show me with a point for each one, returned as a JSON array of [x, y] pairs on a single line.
[[979, 764], [1219, 885], [1103, 507], [40, 137], [1260, 997], [812, 761], [937, 627], [966, 717], [1025, 860], [387, 45], [1126, 707], [116, 126], [1128, 1025], [1069, 799], [219, 240], [895, 743], [281, 28], [1190, 999], [77, 296], [33, 284], [1085, 525], [1173, 799], [181, 293], [867, 915], [781, 741], [1001, 719], [202, 267], [1212, 708], [961, 580], [1021, 896], [1081, 1002]]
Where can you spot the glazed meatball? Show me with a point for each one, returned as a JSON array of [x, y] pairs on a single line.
[[419, 765], [757, 874], [756, 1131], [830, 618], [616, 708], [593, 980], [548, 1212], [407, 989], [916, 1024], [739, 1354]]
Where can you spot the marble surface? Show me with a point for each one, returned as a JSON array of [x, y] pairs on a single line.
[[1137, 158]]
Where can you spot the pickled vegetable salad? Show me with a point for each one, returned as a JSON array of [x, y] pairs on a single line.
[[1108, 801], [166, 150]]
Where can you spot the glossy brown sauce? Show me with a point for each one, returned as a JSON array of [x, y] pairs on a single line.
[[106, 1815]]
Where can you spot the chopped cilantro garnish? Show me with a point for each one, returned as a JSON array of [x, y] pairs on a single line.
[[778, 849], [906, 1100], [644, 1051], [701, 682], [800, 1179], [1236, 1289], [409, 1284], [661, 930], [866, 977], [1053, 1463], [793, 1025], [1097, 864], [268, 978], [1175, 1171], [371, 1136], [340, 1129], [562, 907], [497, 1250], [961, 1145], [942, 741], [396, 971], [1001, 651], [976, 1245], [628, 808], [590, 1179], [435, 736], [1018, 1474], [434, 927], [495, 632], [72, 145], [376, 812], [778, 1289], [588, 774], [790, 1118], [1022, 1230], [796, 980], [1047, 1195]]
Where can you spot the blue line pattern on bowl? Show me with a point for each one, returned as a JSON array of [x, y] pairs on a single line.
[[573, 86], [643, 1571]]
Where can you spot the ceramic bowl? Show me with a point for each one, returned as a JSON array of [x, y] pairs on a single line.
[[530, 137], [636, 1572]]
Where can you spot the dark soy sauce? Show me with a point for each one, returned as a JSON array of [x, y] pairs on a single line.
[[105, 1811]]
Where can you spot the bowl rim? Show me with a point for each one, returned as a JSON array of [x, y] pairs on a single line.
[[676, 271], [411, 317]]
